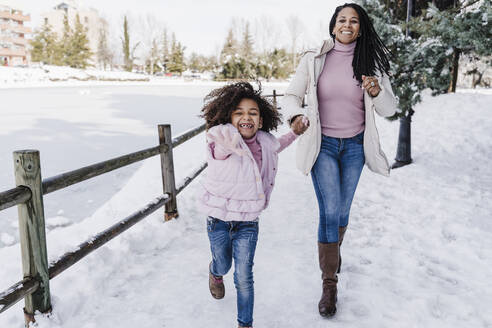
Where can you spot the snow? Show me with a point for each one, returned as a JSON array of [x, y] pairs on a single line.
[[6, 238], [417, 251], [47, 73]]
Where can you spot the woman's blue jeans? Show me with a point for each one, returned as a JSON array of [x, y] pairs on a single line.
[[235, 240], [335, 175]]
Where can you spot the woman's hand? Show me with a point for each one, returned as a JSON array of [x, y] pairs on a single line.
[[370, 83], [300, 124], [227, 139]]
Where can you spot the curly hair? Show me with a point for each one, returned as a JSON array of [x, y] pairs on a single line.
[[221, 102]]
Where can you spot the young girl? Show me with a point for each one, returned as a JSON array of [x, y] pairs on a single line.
[[242, 164]]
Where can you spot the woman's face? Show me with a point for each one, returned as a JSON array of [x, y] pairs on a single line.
[[347, 25]]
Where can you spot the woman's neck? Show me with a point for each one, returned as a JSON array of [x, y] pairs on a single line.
[[344, 48]]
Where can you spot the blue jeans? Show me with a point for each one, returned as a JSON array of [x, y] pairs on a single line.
[[235, 240], [335, 175]]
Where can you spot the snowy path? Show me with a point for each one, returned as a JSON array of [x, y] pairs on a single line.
[[418, 251]]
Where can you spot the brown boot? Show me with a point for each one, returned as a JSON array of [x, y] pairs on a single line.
[[216, 285], [328, 263], [341, 233]]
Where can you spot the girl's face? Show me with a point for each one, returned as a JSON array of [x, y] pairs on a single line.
[[246, 118], [347, 26]]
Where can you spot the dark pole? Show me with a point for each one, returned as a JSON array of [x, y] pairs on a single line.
[[404, 150]]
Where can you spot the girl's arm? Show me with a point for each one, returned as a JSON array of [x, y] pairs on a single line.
[[219, 152], [286, 140], [298, 127], [223, 142]]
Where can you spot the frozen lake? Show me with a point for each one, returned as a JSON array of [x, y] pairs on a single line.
[[77, 126]]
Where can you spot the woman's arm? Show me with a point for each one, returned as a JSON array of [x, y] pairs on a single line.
[[385, 102], [292, 100]]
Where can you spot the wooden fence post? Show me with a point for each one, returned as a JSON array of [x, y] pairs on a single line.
[[274, 98], [32, 232], [167, 169]]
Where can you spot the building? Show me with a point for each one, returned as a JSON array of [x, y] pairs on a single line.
[[13, 32], [89, 17]]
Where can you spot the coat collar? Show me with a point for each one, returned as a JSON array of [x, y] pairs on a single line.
[[325, 47]]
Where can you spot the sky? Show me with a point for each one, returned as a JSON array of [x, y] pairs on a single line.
[[202, 26]]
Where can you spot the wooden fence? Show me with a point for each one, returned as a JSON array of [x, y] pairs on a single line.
[[28, 196]]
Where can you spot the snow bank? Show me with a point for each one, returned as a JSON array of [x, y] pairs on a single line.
[[20, 76]]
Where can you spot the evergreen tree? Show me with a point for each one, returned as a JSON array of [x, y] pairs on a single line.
[[407, 62], [275, 64], [229, 58], [128, 61], [247, 54], [65, 44], [79, 44], [45, 47], [165, 50], [447, 34], [176, 62]]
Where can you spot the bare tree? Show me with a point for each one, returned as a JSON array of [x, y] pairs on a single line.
[[323, 31], [267, 34], [104, 53], [150, 29], [295, 27]]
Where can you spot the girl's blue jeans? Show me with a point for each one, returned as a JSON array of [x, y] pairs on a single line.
[[235, 240], [335, 175]]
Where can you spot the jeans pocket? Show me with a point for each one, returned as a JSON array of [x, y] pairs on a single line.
[[359, 139], [211, 222]]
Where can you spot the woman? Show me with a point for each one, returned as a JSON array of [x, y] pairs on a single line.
[[345, 81]]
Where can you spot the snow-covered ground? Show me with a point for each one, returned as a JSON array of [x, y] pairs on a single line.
[[418, 251]]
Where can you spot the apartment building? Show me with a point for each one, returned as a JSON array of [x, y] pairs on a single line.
[[89, 17], [13, 32]]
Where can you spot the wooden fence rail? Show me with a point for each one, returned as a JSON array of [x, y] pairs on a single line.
[[28, 196], [14, 197], [70, 178]]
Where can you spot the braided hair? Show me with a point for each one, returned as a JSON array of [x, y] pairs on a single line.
[[370, 54]]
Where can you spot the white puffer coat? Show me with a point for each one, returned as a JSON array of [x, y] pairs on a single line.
[[305, 82]]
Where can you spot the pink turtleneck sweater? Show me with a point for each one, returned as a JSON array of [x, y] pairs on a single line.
[[340, 97]]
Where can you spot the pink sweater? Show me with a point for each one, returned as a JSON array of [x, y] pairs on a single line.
[[340, 97]]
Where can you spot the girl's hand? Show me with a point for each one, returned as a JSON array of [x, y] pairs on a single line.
[[300, 124], [227, 139], [370, 83]]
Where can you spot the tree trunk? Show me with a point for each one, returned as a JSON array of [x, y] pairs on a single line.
[[454, 70]]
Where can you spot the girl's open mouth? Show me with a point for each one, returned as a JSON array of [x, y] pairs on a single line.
[[246, 125]]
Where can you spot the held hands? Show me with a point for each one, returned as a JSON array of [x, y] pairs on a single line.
[[300, 124], [370, 83], [227, 139]]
